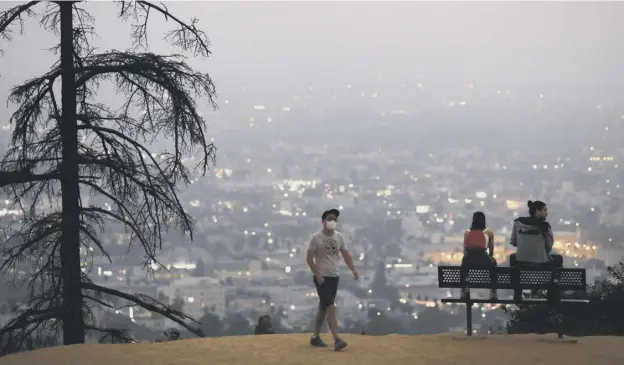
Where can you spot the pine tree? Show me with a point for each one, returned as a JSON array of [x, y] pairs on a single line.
[[59, 152]]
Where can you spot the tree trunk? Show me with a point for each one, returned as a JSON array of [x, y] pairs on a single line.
[[73, 322]]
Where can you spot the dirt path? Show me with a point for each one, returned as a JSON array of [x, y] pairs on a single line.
[[447, 349]]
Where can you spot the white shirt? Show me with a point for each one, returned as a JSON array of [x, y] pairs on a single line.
[[326, 250]]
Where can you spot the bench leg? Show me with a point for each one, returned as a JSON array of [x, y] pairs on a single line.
[[469, 318], [559, 321], [554, 303]]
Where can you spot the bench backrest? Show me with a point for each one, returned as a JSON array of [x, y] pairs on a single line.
[[511, 278]]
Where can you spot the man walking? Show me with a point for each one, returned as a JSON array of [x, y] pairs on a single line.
[[323, 257]]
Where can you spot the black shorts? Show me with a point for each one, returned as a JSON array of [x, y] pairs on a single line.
[[327, 290]]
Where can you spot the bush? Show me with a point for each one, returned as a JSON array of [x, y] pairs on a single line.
[[603, 316]]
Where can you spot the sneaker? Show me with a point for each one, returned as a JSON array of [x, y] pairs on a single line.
[[316, 341], [339, 344]]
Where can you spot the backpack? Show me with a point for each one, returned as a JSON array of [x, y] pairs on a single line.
[[475, 240]]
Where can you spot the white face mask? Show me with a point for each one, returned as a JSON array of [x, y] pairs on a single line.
[[331, 225]]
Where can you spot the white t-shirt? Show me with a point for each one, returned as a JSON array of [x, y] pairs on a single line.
[[326, 250]]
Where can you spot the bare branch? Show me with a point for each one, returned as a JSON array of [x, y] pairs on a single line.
[[112, 335], [148, 303], [16, 13], [187, 36], [22, 177], [28, 318]]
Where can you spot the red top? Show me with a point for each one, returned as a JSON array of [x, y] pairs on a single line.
[[475, 240]]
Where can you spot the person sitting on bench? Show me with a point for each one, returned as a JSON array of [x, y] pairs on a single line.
[[477, 240], [534, 240]]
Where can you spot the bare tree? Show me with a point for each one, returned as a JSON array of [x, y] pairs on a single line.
[[60, 153]]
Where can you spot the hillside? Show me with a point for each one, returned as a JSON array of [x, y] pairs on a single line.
[[447, 349]]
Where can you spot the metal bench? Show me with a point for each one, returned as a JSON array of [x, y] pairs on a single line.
[[527, 278]]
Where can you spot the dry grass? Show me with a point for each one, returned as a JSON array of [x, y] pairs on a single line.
[[447, 349]]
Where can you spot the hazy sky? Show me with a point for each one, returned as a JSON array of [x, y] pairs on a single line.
[[489, 39], [471, 41]]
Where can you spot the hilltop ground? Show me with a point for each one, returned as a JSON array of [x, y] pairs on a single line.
[[446, 349]]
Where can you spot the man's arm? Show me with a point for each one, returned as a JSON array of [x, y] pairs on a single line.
[[514, 235], [310, 259], [311, 263], [347, 258]]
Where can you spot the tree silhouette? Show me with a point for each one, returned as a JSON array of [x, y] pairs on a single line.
[[178, 304], [602, 316], [121, 329], [57, 152], [200, 269], [379, 324], [237, 325], [379, 279], [211, 324], [392, 249], [379, 285], [436, 320], [277, 313]]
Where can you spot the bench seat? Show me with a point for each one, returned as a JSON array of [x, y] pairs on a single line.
[[514, 278]]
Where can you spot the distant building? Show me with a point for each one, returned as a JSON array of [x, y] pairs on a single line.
[[198, 293], [184, 257]]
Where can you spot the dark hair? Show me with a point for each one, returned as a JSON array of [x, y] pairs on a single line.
[[535, 206], [478, 221]]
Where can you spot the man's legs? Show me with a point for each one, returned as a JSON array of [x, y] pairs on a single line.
[[332, 322], [320, 315], [332, 290], [320, 319], [327, 310], [555, 263], [513, 262], [557, 260]]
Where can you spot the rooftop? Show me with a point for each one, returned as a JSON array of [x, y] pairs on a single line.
[[196, 281]]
